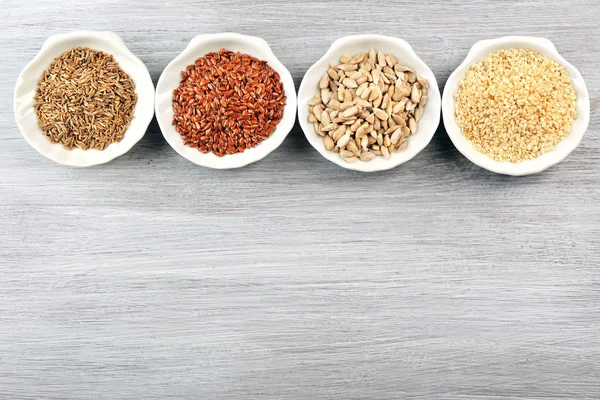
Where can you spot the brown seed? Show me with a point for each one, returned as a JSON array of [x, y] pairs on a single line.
[[85, 100]]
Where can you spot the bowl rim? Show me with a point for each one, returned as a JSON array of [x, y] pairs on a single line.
[[479, 51], [249, 156], [384, 164], [77, 157]]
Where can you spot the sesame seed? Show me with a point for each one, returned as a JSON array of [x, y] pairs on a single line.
[[515, 105]]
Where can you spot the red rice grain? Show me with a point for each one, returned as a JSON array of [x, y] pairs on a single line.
[[227, 102]]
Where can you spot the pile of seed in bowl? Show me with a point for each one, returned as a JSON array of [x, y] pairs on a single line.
[[368, 106], [85, 100], [515, 105], [227, 102]]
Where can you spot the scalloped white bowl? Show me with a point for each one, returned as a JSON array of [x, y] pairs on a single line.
[[27, 83], [477, 53], [351, 45], [171, 77]]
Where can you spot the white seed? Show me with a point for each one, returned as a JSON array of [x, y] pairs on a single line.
[[324, 82], [381, 59], [352, 147], [343, 140], [423, 82], [366, 156], [412, 124], [348, 67], [418, 113], [338, 133], [410, 106], [396, 136], [333, 74], [326, 95], [349, 112], [379, 113], [329, 144], [385, 152], [349, 83], [356, 75], [329, 127], [317, 111], [415, 96], [317, 127], [348, 156]]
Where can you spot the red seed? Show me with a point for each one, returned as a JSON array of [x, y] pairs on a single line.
[[227, 102]]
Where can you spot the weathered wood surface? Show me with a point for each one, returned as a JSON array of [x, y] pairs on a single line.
[[151, 278]]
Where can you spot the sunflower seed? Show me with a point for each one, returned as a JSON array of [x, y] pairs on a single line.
[[412, 124], [349, 112], [415, 96], [418, 113], [366, 156], [385, 152], [348, 67], [348, 156], [367, 106], [349, 83], [329, 144], [396, 136], [379, 113]]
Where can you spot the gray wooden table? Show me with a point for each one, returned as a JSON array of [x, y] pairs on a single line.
[[152, 278]]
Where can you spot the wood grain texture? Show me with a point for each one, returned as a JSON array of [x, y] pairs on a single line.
[[151, 278]]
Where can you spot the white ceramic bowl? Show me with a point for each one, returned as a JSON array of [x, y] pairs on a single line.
[[171, 77], [26, 86], [351, 45], [478, 52]]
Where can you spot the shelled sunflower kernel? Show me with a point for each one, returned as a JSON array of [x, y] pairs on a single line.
[[367, 106]]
